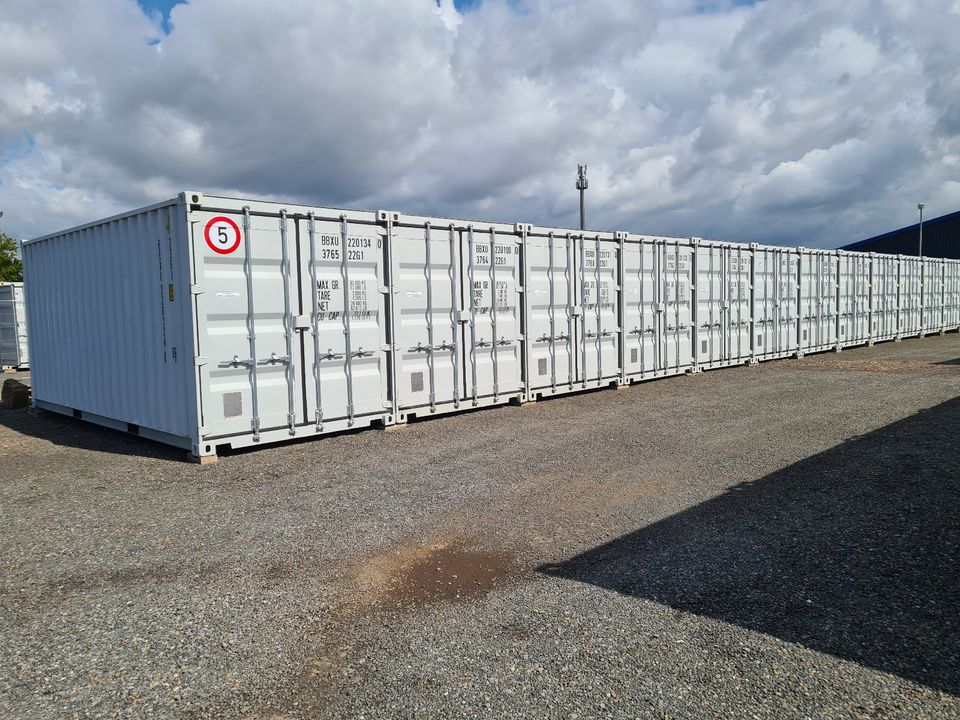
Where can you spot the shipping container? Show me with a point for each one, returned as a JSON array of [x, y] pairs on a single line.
[[658, 314], [13, 327], [934, 284], [722, 304], [818, 300], [853, 299], [951, 302], [911, 296], [775, 302], [208, 322]]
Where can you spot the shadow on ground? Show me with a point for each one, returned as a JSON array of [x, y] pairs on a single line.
[[852, 552], [71, 432]]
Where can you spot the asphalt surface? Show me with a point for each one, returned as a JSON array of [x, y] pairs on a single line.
[[777, 541]]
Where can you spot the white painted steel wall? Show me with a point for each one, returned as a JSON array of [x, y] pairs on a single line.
[[208, 321], [13, 327], [110, 313]]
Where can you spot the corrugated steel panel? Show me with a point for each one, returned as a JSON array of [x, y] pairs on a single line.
[[14, 352], [941, 239], [111, 329]]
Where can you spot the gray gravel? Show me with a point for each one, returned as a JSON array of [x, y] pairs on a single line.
[[775, 541]]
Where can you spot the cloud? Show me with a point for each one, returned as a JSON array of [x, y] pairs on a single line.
[[812, 122]]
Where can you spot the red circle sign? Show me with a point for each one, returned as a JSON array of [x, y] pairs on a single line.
[[222, 235]]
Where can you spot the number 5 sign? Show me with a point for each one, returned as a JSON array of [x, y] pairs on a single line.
[[222, 235]]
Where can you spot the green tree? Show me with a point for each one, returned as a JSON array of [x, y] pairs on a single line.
[[11, 267]]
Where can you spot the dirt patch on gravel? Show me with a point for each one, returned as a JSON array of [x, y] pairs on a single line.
[[413, 576]]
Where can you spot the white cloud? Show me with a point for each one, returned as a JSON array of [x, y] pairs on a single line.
[[812, 122]]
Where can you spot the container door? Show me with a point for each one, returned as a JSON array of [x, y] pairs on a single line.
[[828, 269], [765, 279], [677, 315], [788, 310], [710, 337], [426, 285], [550, 304], [642, 308], [13, 336], [738, 302], [910, 292], [252, 378], [952, 294], [808, 298], [599, 302], [20, 321], [886, 297], [342, 274], [490, 271], [932, 294], [846, 299]]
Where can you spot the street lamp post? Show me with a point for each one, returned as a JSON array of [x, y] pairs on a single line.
[[920, 207]]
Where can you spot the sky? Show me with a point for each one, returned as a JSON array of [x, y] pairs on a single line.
[[797, 122]]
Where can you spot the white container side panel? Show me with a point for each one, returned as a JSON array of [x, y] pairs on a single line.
[[933, 288], [642, 302], [854, 299], [13, 327], [490, 281], [289, 322], [598, 334], [775, 305], [722, 304], [911, 295], [426, 302], [110, 313], [550, 302], [885, 286], [951, 303], [818, 300], [658, 315]]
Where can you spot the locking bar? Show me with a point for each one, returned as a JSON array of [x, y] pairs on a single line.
[[551, 272], [347, 310], [583, 316], [429, 274], [473, 311], [251, 324], [596, 298], [315, 320], [287, 322], [494, 355], [676, 304], [454, 305], [568, 276]]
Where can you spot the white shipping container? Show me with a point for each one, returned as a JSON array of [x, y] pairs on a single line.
[[818, 300], [951, 294], [885, 286], [658, 307], [208, 322], [854, 299], [13, 327], [776, 313], [934, 284]]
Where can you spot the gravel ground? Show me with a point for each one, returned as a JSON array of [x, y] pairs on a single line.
[[774, 541]]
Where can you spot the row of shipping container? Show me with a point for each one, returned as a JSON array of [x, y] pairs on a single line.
[[208, 321], [13, 327]]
